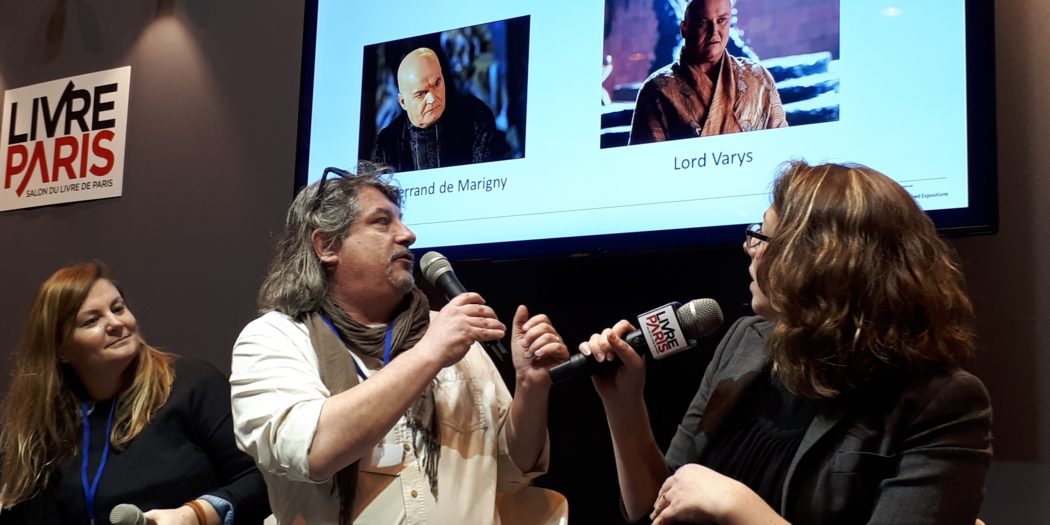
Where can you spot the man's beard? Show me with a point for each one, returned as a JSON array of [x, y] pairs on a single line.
[[401, 283]]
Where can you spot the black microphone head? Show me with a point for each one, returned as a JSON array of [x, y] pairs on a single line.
[[434, 265], [127, 514], [699, 318]]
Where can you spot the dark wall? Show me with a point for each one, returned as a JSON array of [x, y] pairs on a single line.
[[1009, 273], [212, 129], [209, 159]]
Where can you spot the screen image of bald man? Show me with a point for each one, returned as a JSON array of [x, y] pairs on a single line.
[[438, 127], [706, 91]]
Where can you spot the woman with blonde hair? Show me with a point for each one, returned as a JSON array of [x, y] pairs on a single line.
[[842, 401], [95, 417]]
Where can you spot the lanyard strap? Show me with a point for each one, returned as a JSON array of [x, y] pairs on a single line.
[[90, 490], [387, 344]]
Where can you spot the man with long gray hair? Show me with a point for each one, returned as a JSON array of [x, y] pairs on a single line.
[[356, 400]]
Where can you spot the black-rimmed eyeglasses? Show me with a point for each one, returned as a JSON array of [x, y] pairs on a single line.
[[753, 235], [324, 178]]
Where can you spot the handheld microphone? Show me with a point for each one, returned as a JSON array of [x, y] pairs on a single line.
[[127, 514], [664, 331], [438, 272]]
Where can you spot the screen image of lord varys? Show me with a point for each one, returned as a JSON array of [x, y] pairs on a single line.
[[674, 69], [448, 98]]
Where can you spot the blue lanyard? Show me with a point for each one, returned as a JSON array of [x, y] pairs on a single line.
[[387, 343], [89, 491]]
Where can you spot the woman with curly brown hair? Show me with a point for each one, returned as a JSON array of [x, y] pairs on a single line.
[[95, 417], [842, 401]]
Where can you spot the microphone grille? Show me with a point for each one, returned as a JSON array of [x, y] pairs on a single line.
[[433, 264], [126, 514], [699, 317]]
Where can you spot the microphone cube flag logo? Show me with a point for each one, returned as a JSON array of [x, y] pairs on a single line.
[[662, 332], [63, 140]]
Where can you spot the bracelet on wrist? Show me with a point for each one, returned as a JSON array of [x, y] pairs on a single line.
[[198, 509]]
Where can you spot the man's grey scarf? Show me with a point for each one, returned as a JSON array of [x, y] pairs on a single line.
[[339, 374]]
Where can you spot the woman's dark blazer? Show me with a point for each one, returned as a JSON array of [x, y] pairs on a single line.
[[912, 452]]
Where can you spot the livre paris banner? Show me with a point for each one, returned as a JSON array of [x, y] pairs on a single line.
[[63, 140]]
